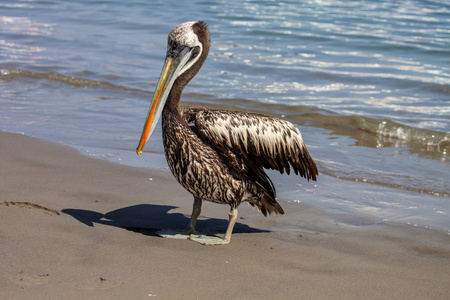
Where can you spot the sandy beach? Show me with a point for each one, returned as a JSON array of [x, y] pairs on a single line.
[[74, 227]]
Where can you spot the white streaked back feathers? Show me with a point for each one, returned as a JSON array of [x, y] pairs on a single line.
[[277, 142]]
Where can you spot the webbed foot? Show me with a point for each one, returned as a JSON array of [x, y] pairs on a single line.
[[195, 236], [174, 234], [208, 239]]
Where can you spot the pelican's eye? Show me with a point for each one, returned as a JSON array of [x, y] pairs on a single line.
[[195, 52]]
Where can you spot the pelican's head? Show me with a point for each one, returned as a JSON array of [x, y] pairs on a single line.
[[187, 48]]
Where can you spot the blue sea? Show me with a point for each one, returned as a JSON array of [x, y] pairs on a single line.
[[367, 83]]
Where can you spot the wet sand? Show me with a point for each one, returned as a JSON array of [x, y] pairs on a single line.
[[74, 227]]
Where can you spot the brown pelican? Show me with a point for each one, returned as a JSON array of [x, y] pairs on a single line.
[[219, 155]]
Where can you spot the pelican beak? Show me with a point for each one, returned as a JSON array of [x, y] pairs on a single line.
[[174, 63]]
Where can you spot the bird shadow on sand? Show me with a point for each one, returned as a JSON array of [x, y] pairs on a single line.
[[150, 218]]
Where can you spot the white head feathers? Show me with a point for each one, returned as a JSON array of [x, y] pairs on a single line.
[[184, 35]]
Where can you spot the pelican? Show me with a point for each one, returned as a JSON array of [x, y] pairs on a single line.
[[219, 155]]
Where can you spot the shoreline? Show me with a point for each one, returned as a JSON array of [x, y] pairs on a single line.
[[351, 198], [79, 227]]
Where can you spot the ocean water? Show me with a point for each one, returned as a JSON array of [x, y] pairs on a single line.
[[367, 82]]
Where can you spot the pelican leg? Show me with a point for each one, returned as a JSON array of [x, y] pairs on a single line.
[[196, 209], [193, 235], [232, 220], [213, 240]]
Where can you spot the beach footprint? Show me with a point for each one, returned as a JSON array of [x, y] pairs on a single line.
[[28, 279], [32, 206], [101, 283]]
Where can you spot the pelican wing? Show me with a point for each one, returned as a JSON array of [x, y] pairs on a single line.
[[272, 143]]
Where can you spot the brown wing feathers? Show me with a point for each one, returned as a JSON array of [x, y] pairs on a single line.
[[274, 143]]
